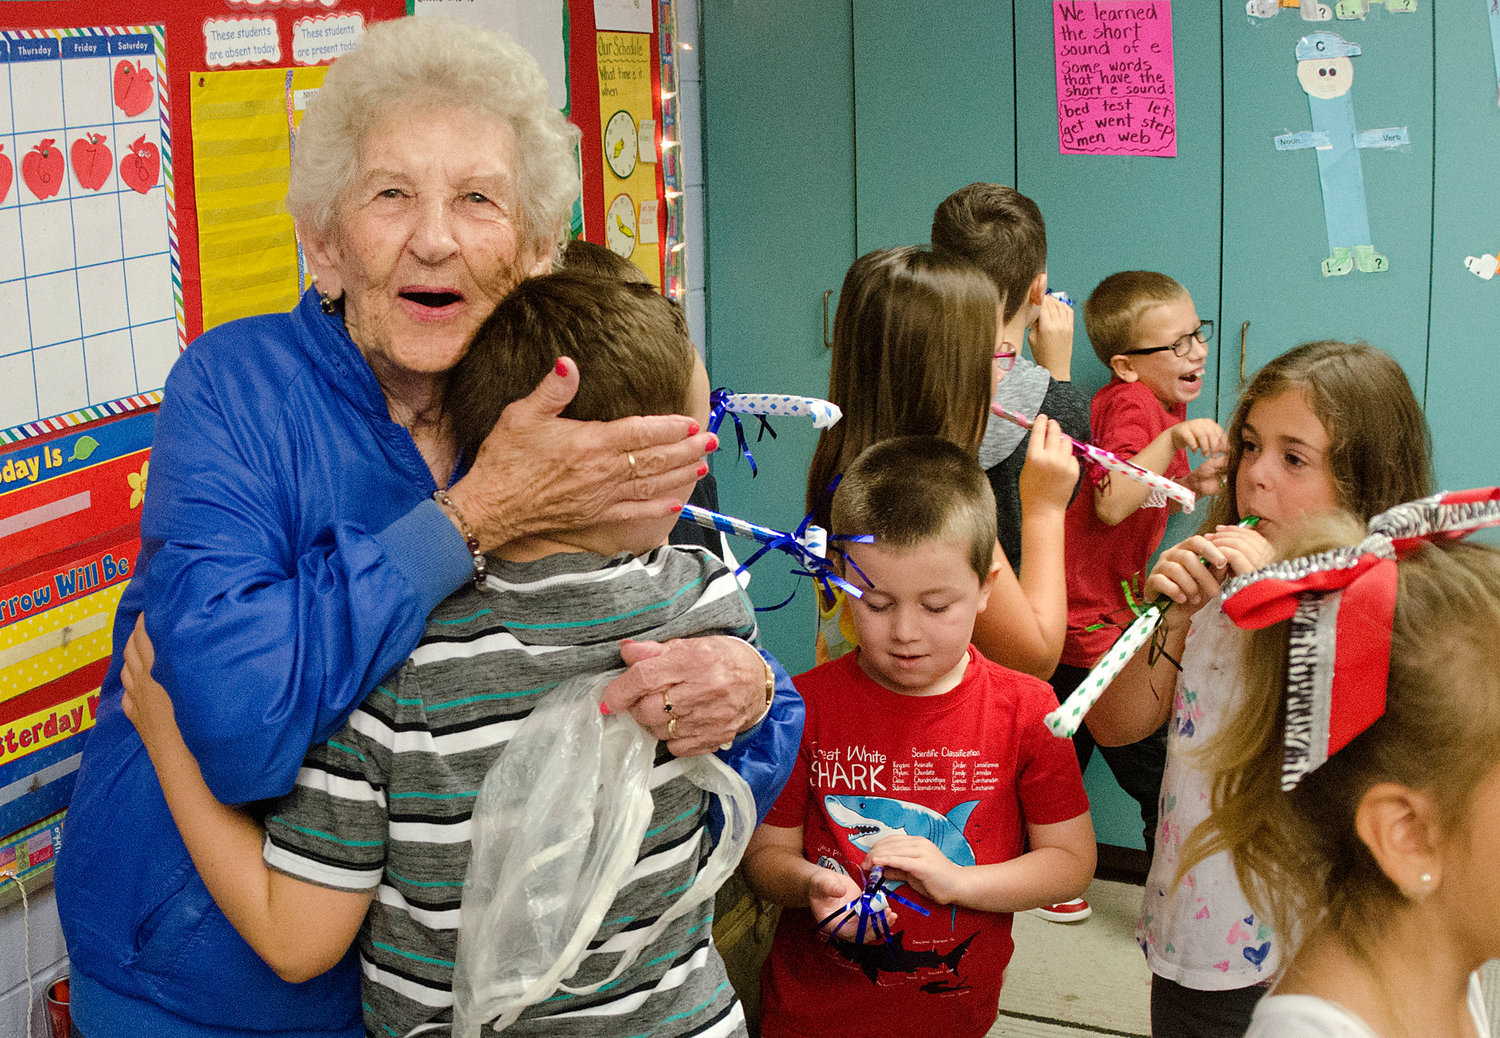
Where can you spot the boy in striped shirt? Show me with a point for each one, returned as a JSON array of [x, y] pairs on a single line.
[[374, 841]]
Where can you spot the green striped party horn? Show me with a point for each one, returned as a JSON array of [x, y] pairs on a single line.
[[1064, 721]]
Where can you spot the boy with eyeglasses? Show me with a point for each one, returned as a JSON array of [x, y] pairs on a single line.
[[1145, 329]]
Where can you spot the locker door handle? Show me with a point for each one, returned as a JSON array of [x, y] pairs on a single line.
[[827, 342], [1244, 334]]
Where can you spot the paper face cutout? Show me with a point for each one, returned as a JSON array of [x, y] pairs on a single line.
[[1326, 74]]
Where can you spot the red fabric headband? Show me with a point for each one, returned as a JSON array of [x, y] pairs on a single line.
[[1341, 604]]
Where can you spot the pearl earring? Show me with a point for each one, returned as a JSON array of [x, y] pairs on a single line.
[[1426, 878]]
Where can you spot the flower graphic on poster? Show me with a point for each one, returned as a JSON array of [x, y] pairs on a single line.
[[137, 481]]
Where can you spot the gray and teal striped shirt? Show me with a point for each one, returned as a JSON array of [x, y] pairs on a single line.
[[385, 803]]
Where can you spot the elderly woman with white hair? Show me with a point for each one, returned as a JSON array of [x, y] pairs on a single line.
[[306, 512]]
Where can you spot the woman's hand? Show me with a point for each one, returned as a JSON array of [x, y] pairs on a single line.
[[1050, 471], [715, 685], [537, 472]]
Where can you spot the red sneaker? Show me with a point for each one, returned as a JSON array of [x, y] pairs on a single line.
[[1075, 911]]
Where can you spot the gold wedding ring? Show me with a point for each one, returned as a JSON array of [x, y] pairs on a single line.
[[672, 728], [630, 460]]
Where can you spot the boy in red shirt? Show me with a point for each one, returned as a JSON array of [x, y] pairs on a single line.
[[1145, 329], [923, 757]]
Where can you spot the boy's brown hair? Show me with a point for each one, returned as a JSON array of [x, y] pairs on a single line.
[[585, 257], [1000, 231], [630, 343], [912, 489], [1116, 305]]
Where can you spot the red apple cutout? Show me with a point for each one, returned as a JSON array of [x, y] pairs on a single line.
[[133, 93], [91, 161], [6, 172], [139, 168], [42, 169]]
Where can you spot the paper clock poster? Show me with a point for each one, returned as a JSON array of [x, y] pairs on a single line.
[[89, 276], [1116, 89], [624, 104], [1326, 72]]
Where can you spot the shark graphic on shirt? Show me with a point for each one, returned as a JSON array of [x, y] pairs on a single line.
[[868, 820], [894, 957]]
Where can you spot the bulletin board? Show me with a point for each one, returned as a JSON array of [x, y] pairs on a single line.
[[69, 518], [143, 166], [102, 284], [99, 242]]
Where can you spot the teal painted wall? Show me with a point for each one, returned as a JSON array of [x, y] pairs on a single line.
[[920, 137], [833, 127], [779, 191], [1462, 354]]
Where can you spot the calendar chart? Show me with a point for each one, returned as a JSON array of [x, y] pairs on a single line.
[[90, 287]]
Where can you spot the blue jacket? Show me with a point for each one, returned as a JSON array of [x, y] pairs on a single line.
[[290, 555]]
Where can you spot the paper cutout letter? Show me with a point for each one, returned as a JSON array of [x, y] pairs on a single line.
[[133, 93], [42, 169], [140, 166], [1327, 75], [1482, 266], [92, 160]]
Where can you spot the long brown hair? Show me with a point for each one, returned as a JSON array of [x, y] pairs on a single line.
[[913, 343], [1379, 450], [1298, 855]]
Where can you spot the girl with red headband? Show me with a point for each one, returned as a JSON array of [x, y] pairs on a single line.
[[1357, 790]]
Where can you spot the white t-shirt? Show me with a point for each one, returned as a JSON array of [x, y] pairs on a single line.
[[1308, 1016], [1201, 933]]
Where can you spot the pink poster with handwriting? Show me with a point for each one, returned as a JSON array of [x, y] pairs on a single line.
[[1116, 94]]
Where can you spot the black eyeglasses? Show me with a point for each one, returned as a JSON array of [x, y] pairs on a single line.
[[1183, 346]]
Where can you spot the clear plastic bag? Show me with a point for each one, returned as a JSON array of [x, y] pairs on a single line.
[[557, 826]]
